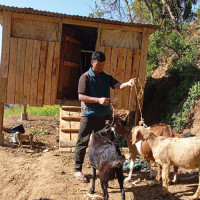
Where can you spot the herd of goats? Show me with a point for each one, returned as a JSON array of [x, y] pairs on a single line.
[[159, 143]]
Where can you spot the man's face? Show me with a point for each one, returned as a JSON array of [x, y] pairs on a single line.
[[97, 66]]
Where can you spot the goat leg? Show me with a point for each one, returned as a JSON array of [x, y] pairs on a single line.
[[165, 175], [127, 179], [104, 178], [175, 174], [93, 181], [104, 186], [197, 193], [120, 178], [158, 176]]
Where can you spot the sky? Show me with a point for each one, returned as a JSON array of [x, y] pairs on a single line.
[[70, 7]]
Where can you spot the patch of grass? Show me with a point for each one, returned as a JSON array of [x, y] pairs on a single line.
[[44, 111], [41, 111], [13, 110]]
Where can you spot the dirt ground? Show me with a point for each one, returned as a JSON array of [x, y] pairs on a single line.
[[47, 174]]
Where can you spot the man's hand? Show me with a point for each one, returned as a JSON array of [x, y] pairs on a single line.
[[104, 101], [132, 82]]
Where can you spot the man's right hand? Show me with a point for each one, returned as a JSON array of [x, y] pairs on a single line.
[[104, 101]]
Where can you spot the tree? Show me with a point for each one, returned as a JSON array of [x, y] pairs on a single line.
[[167, 13]]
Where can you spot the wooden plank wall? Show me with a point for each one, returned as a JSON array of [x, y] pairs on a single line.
[[123, 64], [33, 71]]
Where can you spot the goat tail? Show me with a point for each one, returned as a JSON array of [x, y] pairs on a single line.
[[118, 162]]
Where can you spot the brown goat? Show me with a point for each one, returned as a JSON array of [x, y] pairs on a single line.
[[144, 148], [181, 152]]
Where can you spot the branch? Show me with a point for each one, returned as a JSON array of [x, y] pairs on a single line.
[[170, 12], [144, 2], [179, 55], [129, 11]]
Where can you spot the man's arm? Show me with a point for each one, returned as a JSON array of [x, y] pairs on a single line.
[[130, 83], [87, 99]]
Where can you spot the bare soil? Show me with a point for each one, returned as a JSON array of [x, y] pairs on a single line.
[[46, 173]]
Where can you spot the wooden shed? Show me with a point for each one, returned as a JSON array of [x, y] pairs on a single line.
[[44, 54]]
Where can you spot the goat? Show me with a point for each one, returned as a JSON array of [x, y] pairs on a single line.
[[180, 152], [144, 149], [22, 137], [106, 157]]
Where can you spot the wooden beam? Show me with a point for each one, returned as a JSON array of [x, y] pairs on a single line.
[[71, 64], [75, 119], [71, 108], [1, 116], [1, 19], [32, 17], [42, 73], [119, 27], [60, 25], [55, 73], [48, 78], [64, 144], [27, 71], [80, 22], [70, 39], [68, 102], [34, 72], [98, 43], [5, 44], [3, 85], [69, 130], [21, 54]]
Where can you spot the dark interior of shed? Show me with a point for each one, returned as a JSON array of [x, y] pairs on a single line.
[[77, 45]]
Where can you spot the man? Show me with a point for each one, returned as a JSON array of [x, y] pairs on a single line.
[[94, 94]]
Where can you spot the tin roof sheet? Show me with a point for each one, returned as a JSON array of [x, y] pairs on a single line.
[[73, 17]]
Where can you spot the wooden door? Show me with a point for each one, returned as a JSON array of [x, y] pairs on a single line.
[[69, 64]]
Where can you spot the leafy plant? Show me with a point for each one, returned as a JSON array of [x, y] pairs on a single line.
[[180, 118]]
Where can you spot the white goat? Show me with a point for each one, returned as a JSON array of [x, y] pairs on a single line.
[[180, 152]]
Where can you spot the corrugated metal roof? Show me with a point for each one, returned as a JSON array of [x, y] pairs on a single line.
[[74, 17]]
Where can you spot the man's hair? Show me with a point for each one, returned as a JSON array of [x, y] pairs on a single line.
[[99, 56]]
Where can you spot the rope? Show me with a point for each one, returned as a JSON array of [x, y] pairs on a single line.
[[138, 97], [113, 115]]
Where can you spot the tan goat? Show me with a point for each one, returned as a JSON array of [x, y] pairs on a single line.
[[142, 148], [180, 152]]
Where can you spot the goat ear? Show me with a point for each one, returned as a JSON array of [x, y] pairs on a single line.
[[136, 135]]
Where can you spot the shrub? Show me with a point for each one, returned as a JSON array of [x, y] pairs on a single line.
[[180, 118]]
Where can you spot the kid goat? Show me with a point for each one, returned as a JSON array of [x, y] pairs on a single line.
[[180, 152], [106, 157]]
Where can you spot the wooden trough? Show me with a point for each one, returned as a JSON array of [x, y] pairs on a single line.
[[44, 54]]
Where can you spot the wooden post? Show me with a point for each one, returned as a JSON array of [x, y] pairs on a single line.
[[98, 37], [24, 115], [1, 124]]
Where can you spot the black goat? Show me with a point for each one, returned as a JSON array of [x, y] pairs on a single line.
[[106, 157]]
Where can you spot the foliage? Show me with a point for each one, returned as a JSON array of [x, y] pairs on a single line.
[[181, 117], [42, 111], [168, 14], [156, 50]]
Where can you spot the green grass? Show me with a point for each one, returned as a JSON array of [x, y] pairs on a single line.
[[42, 111]]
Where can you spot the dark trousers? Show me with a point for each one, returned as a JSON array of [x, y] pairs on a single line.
[[86, 129]]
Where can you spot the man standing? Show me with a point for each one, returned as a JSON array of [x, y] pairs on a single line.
[[94, 94]]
